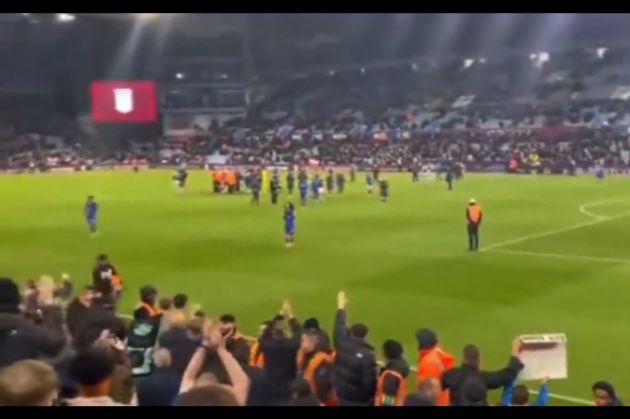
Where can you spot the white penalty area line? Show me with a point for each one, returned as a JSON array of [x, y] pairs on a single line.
[[552, 232], [563, 256]]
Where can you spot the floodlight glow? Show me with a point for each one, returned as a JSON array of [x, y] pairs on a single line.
[[65, 17]]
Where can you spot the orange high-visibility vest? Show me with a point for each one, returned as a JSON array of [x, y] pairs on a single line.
[[401, 394], [432, 363], [256, 357], [474, 213], [150, 309], [117, 282], [317, 361]]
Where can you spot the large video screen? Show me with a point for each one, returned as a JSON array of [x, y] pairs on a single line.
[[124, 101]]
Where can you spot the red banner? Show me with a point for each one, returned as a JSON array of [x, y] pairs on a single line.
[[124, 101]]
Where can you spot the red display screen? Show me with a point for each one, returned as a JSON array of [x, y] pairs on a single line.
[[124, 101]]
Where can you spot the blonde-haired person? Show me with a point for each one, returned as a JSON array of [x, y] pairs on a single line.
[[179, 341], [28, 383]]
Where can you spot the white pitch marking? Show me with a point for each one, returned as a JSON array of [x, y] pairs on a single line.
[[551, 232], [583, 207], [571, 399], [575, 400], [563, 256], [596, 220]]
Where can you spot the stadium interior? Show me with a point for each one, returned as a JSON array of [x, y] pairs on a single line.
[[320, 178]]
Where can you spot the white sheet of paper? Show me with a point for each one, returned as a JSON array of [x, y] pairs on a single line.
[[544, 355]]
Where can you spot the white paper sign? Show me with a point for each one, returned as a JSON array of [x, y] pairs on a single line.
[[544, 355]]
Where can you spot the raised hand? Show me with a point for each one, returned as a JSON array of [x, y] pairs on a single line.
[[342, 300]]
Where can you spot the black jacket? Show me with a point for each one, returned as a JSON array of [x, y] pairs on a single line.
[[102, 278], [391, 384], [239, 348], [455, 378], [281, 353], [21, 339], [181, 346], [355, 365], [158, 389]]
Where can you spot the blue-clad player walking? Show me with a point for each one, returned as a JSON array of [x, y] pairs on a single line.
[[289, 225], [91, 213]]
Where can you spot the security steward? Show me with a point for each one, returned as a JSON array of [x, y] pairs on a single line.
[[474, 215]]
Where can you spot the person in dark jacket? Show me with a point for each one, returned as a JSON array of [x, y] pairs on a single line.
[[392, 386], [301, 394], [161, 387], [455, 378], [605, 395], [474, 392], [280, 350], [82, 310], [148, 300], [355, 361], [20, 338], [180, 342], [102, 279], [236, 344]]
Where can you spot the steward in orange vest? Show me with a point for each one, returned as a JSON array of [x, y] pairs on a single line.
[[256, 358], [433, 361], [147, 308], [392, 386], [474, 215], [315, 363]]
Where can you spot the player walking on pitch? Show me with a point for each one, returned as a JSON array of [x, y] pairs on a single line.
[[91, 214], [474, 215], [289, 225]]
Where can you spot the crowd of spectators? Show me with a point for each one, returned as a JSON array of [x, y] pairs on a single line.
[[60, 349]]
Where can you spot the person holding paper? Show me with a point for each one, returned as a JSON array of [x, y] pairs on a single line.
[[455, 378]]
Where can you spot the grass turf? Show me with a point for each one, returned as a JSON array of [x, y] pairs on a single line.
[[404, 264]]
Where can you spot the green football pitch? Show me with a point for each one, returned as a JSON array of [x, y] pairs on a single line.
[[555, 256]]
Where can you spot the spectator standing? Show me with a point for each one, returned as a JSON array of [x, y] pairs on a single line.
[[518, 395], [236, 344], [315, 364], [93, 370], [355, 361], [256, 358], [454, 379], [161, 387], [82, 310], [180, 302], [279, 344], [301, 394], [164, 304], [180, 340], [147, 308], [431, 389], [20, 338], [433, 361], [474, 393], [192, 387], [103, 280], [605, 394], [392, 386], [28, 383]]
